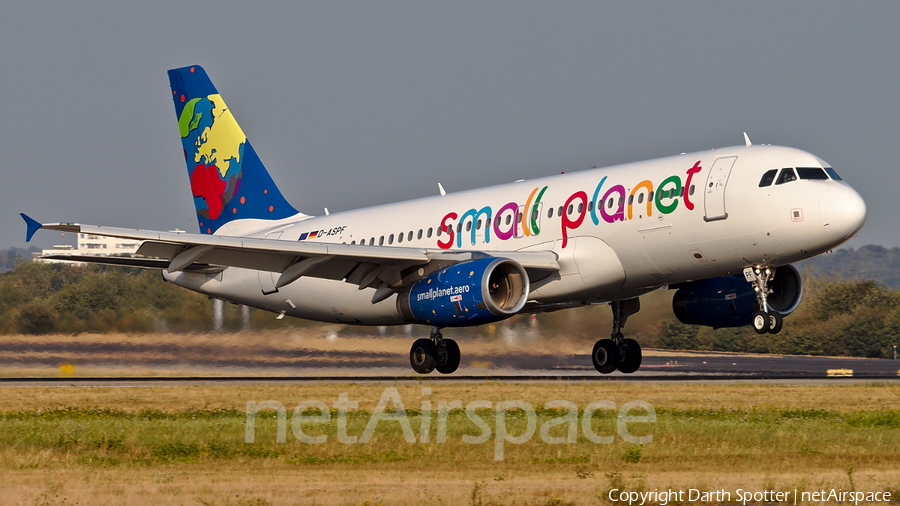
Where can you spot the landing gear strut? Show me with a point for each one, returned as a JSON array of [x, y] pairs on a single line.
[[433, 353], [766, 319], [618, 352]]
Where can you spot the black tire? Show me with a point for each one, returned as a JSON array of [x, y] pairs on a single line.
[[449, 361], [631, 362], [422, 356], [605, 356], [760, 322], [776, 321]]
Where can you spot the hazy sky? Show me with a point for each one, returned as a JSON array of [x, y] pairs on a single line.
[[354, 104]]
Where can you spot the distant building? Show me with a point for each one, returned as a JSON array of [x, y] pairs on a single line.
[[93, 245], [100, 245]]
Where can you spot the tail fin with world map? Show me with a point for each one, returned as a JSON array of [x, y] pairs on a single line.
[[228, 181]]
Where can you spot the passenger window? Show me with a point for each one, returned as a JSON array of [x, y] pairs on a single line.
[[610, 204], [834, 175], [381, 241], [812, 173], [409, 236], [468, 226], [419, 235], [550, 213], [352, 243], [391, 239], [580, 207], [429, 232], [478, 225], [570, 208], [630, 199], [400, 237], [692, 190], [560, 213], [508, 218], [440, 229], [591, 206], [786, 176], [640, 198]]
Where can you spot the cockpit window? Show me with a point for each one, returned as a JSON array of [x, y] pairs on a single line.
[[786, 176], [812, 173], [833, 173], [768, 177]]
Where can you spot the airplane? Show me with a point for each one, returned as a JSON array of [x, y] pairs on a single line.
[[721, 227]]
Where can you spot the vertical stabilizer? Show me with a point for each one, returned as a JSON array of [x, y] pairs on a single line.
[[228, 181]]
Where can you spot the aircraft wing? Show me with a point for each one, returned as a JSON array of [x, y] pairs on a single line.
[[385, 267]]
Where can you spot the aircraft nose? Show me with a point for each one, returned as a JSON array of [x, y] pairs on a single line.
[[843, 211]]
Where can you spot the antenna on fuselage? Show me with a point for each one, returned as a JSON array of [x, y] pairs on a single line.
[[326, 211], [747, 140], [441, 189]]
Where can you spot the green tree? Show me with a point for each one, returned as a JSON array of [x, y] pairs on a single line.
[[35, 318], [678, 336]]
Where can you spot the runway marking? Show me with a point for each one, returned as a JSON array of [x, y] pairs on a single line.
[[680, 378]]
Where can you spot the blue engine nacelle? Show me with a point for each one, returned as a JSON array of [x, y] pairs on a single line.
[[730, 301], [469, 293]]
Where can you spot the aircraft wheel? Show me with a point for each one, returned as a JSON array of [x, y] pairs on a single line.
[[776, 321], [449, 361], [422, 356], [760, 322], [631, 362], [605, 356]]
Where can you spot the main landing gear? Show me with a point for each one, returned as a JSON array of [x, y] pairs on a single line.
[[766, 320], [618, 352], [433, 353]]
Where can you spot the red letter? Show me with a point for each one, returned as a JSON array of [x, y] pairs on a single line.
[[448, 229], [566, 222], [687, 186]]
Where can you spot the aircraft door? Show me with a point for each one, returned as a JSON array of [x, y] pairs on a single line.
[[534, 221], [714, 194], [481, 225], [519, 231], [267, 279]]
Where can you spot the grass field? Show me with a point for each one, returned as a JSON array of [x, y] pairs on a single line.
[[186, 444]]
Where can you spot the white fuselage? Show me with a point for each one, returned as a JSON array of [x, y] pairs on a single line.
[[712, 219]]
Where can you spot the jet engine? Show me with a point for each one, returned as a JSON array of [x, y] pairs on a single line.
[[730, 301], [479, 291]]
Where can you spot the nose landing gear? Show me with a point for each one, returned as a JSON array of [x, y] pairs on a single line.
[[618, 352], [433, 353], [766, 320]]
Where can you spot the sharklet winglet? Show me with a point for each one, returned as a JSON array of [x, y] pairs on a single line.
[[32, 224]]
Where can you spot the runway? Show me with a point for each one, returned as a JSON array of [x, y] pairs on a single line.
[[658, 366]]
